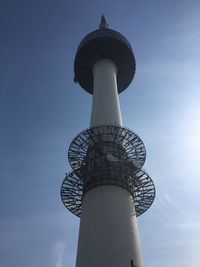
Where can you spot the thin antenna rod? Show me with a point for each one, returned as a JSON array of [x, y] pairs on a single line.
[[103, 24]]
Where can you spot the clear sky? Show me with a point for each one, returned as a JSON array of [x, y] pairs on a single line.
[[41, 111]]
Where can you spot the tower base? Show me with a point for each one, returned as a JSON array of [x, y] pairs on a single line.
[[108, 211]]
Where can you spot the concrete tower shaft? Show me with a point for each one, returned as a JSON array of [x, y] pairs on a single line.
[[107, 187], [109, 233], [105, 107]]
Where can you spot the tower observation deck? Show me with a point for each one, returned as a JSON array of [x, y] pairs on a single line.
[[107, 187]]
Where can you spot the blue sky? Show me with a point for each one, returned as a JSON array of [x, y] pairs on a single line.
[[41, 110]]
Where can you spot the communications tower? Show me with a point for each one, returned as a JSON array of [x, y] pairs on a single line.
[[107, 187]]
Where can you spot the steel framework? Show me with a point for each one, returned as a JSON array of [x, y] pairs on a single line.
[[108, 142], [107, 155], [139, 184]]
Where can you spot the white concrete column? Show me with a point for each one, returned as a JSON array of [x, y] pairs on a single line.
[[108, 235], [105, 106]]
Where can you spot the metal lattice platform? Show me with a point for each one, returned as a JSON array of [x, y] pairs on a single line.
[[106, 143], [139, 184]]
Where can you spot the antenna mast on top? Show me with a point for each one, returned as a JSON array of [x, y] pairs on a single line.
[[103, 24]]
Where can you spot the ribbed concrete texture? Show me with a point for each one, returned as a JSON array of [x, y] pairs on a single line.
[[108, 234]]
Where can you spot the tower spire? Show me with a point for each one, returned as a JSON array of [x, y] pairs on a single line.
[[103, 24]]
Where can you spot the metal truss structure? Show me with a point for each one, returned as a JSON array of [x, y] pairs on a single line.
[[140, 185], [107, 155]]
